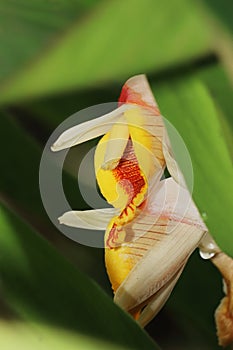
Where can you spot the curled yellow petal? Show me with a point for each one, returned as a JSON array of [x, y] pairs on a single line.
[[114, 148], [123, 185]]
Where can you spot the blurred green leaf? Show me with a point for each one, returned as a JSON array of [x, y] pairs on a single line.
[[221, 91], [25, 336], [222, 10], [187, 104], [116, 40], [19, 167], [42, 288], [28, 28]]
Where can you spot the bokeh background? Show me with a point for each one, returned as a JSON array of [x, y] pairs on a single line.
[[57, 57]]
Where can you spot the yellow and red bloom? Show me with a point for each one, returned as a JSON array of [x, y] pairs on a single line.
[[154, 226]]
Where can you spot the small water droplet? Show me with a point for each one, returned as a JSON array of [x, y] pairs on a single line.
[[208, 248], [206, 254]]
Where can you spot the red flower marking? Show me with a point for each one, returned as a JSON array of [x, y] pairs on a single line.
[[129, 175]]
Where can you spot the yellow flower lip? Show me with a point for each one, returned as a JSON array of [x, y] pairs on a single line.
[[126, 159], [124, 187]]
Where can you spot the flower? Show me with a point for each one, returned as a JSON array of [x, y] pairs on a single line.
[[154, 226]]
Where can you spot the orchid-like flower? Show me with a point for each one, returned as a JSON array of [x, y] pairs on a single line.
[[154, 226]]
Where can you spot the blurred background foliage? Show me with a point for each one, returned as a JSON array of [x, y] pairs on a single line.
[[56, 58]]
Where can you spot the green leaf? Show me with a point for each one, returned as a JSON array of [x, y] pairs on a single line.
[[112, 42], [28, 28], [220, 88], [25, 336], [186, 103], [58, 303], [222, 10]]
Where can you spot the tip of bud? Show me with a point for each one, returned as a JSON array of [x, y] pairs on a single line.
[[56, 147], [61, 219], [53, 148]]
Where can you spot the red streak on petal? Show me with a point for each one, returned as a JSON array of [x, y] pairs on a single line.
[[128, 95], [112, 236], [128, 173], [129, 176]]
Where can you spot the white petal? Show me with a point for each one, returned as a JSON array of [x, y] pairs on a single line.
[[88, 130], [97, 219], [175, 202], [150, 122], [158, 300], [139, 85], [170, 202], [157, 266], [171, 163], [146, 131]]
